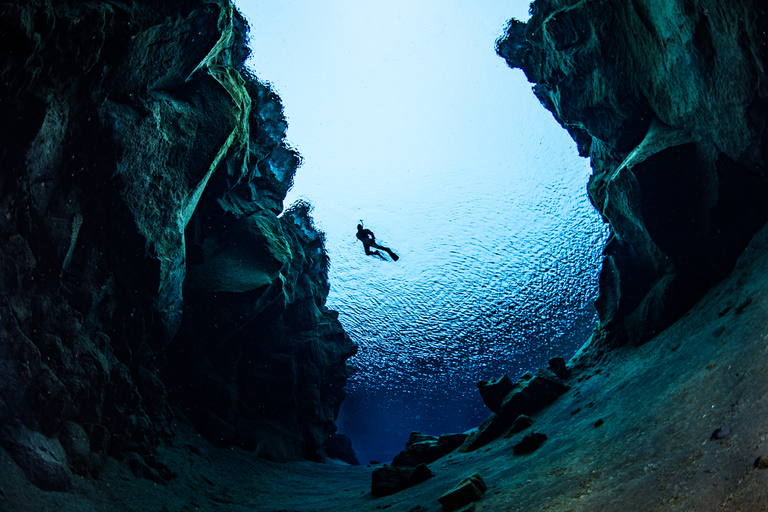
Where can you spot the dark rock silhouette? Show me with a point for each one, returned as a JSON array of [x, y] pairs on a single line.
[[521, 423], [495, 390], [529, 395], [388, 480], [529, 444], [676, 145], [423, 449], [146, 280], [469, 490], [43, 459], [339, 446], [144, 268]]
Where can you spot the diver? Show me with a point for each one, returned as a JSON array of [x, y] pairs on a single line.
[[369, 240]]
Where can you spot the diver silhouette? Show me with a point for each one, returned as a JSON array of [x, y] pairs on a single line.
[[369, 240]]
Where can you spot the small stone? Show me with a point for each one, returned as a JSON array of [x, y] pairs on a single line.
[[423, 449], [141, 469], [532, 395], [469, 490], [558, 367], [388, 480], [761, 462], [494, 391], [721, 433], [521, 423], [599, 423], [490, 429], [43, 460], [529, 444], [339, 446]]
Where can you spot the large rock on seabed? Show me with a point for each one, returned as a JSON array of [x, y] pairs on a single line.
[[668, 100], [143, 265]]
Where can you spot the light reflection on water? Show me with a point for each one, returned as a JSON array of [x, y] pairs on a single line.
[[498, 273], [407, 119]]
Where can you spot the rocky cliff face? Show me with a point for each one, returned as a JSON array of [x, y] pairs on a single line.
[[668, 100], [144, 268]]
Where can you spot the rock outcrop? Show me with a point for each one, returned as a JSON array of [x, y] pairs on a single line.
[[467, 491], [668, 100], [144, 265], [425, 449], [512, 404], [387, 480]]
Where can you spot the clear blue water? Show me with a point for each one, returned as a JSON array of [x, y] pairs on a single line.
[[408, 120], [488, 282]]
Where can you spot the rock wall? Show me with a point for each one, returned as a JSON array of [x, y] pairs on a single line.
[[668, 100], [144, 271]]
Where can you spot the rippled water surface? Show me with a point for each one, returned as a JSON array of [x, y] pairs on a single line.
[[488, 282], [408, 121]]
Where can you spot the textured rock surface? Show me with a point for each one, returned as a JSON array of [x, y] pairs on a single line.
[[339, 447], [713, 356], [529, 443], [261, 365], [42, 459], [494, 391], [423, 449], [388, 480], [529, 395], [467, 491], [668, 99], [143, 262]]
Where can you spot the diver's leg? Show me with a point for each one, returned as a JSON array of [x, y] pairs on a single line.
[[369, 252], [392, 255]]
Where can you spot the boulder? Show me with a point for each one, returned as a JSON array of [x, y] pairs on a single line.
[[494, 391], [423, 449], [339, 447], [531, 396], [77, 446], [558, 367], [678, 159], [388, 480], [469, 490], [42, 459], [529, 444], [490, 429], [521, 423]]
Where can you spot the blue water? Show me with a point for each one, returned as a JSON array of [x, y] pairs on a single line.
[[488, 282], [408, 120]]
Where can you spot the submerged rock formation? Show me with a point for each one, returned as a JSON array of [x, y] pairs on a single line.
[[668, 99], [144, 268]]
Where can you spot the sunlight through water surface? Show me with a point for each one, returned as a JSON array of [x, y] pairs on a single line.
[[408, 120]]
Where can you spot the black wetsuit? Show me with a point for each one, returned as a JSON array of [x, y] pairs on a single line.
[[369, 240]]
